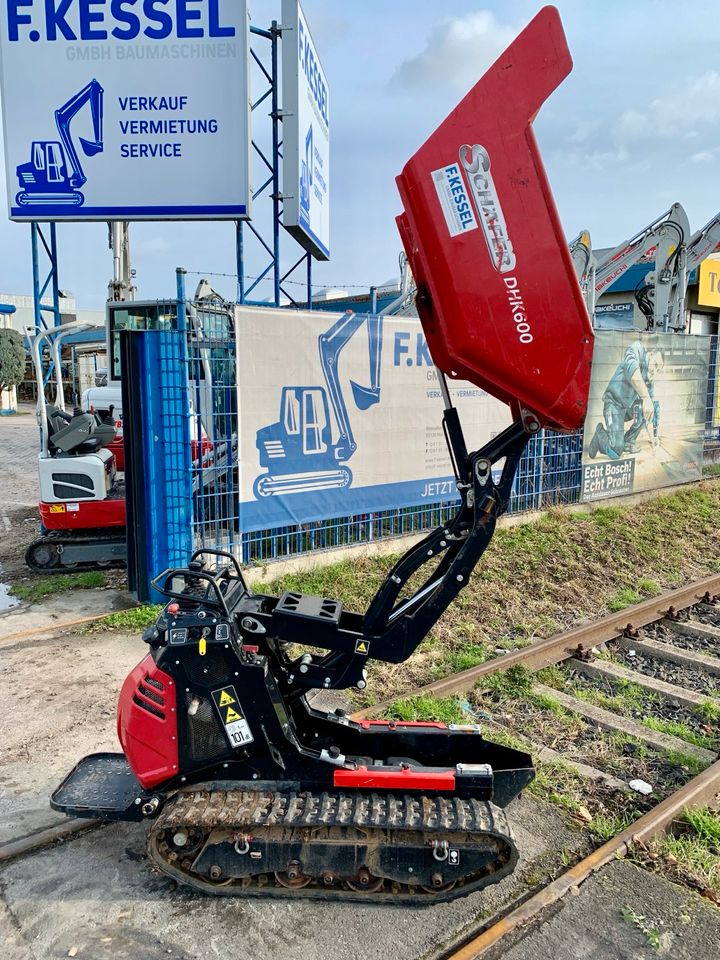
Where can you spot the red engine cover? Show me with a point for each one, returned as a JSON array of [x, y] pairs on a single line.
[[147, 723], [502, 305], [83, 514]]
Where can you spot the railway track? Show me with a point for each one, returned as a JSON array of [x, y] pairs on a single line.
[[654, 668], [668, 648]]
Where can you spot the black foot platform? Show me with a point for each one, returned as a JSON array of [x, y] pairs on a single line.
[[101, 786]]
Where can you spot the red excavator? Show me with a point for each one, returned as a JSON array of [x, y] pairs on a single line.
[[247, 787]]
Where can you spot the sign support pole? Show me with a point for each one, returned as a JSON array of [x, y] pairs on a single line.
[[48, 245]]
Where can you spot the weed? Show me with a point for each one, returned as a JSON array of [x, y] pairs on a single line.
[[557, 783], [604, 826], [60, 583], [513, 683], [709, 711], [136, 618], [623, 598], [679, 759], [652, 934], [691, 854], [465, 657]]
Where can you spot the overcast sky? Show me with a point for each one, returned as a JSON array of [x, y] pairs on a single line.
[[635, 127]]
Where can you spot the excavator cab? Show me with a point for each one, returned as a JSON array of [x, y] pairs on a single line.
[[298, 450]]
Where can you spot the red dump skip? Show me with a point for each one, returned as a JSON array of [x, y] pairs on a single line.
[[497, 293]]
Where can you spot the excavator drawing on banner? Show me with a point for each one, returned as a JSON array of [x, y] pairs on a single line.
[[248, 787], [304, 450], [54, 173]]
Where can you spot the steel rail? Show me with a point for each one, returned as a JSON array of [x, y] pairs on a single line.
[[697, 792], [45, 837], [53, 628], [561, 646]]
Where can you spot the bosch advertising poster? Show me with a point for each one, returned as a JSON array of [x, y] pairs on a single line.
[[125, 111], [645, 424], [306, 136], [341, 414]]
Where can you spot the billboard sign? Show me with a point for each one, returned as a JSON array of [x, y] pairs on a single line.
[[709, 283], [614, 316], [645, 425], [125, 111], [345, 418], [306, 136]]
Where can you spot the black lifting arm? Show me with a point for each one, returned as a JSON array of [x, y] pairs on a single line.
[[394, 626], [396, 629]]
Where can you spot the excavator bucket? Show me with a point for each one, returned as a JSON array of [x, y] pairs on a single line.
[[497, 293]]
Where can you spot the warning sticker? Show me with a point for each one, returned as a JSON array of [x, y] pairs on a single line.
[[362, 646], [57, 508], [454, 200], [233, 720]]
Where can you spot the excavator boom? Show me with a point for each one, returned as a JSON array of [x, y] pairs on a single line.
[[91, 93], [331, 345]]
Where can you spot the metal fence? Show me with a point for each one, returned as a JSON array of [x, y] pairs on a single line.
[[550, 472], [711, 453]]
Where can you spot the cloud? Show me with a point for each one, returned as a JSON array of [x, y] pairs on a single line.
[[686, 111], [458, 51], [152, 246], [705, 156]]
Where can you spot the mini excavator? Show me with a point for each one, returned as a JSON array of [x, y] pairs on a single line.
[[249, 789]]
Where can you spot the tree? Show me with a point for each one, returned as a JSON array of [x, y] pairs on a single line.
[[12, 359]]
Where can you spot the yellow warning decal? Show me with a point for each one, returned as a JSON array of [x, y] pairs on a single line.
[[362, 646], [57, 508], [232, 715], [225, 699]]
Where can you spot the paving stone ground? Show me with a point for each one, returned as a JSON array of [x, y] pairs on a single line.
[[18, 460]]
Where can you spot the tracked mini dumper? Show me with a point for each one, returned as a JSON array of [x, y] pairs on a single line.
[[247, 788]]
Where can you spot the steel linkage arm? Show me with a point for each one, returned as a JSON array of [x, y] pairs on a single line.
[[392, 628], [395, 630]]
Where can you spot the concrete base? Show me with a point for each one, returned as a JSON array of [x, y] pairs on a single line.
[[598, 923]]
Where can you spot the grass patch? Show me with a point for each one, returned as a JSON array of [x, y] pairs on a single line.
[[691, 854], [136, 618], [709, 710], [514, 683], [605, 826], [60, 583], [428, 708], [623, 598], [679, 759], [538, 578], [676, 728]]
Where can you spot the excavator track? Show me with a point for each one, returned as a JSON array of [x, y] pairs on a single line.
[[415, 849], [77, 550]]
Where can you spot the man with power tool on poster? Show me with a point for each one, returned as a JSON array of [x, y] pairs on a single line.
[[630, 396]]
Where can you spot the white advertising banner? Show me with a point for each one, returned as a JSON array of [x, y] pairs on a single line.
[[341, 414], [645, 425], [125, 110], [306, 136]]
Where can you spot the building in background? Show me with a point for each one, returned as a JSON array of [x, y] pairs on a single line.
[[84, 354]]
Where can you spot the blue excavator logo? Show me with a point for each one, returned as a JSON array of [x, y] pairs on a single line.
[[299, 452], [54, 174]]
